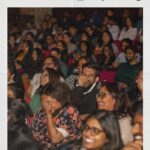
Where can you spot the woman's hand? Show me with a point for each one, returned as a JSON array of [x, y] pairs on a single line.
[[47, 106]]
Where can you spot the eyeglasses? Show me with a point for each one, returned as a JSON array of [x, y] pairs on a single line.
[[94, 131], [102, 95]]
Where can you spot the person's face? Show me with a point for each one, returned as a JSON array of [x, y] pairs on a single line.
[[44, 78], [107, 51], [97, 50], [55, 54], [29, 38], [52, 102], [10, 93], [73, 31], [89, 31], [105, 37], [66, 38], [90, 75], [105, 100], [83, 47], [84, 37], [48, 63], [138, 125], [34, 55], [124, 45], [29, 25], [93, 135], [139, 80], [11, 40], [130, 55], [44, 25], [128, 22], [49, 40], [60, 46]]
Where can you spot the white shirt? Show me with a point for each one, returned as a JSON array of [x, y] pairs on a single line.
[[114, 30], [130, 34]]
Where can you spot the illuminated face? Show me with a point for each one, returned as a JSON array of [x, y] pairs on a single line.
[[93, 135], [138, 125], [130, 55], [49, 64], [90, 75], [44, 78], [34, 55], [105, 37], [105, 100]]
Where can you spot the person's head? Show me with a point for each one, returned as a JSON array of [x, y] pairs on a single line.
[[130, 52], [139, 81], [27, 47], [17, 113], [37, 55], [49, 75], [58, 94], [111, 99], [138, 121], [66, 37], [101, 132], [84, 47], [125, 43], [49, 39], [112, 20], [110, 13], [56, 53], [11, 39], [84, 36], [97, 49], [90, 30], [129, 22], [29, 25], [73, 30], [107, 37], [51, 62], [108, 51], [82, 61], [91, 71], [29, 36], [44, 25], [61, 45], [15, 91]]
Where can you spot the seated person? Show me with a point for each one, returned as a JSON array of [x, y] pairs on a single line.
[[86, 90], [57, 120]]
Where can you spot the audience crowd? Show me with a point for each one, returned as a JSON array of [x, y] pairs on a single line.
[[76, 83]]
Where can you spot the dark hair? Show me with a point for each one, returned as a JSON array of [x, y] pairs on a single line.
[[128, 41], [17, 91], [138, 107], [60, 91], [123, 103], [110, 125], [110, 35], [92, 66], [17, 113], [110, 48], [18, 140], [131, 47], [31, 34], [56, 63], [56, 50], [39, 54]]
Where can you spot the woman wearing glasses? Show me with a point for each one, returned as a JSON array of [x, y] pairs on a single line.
[[101, 132], [110, 99]]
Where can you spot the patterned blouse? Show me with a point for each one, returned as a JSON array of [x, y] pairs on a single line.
[[67, 121]]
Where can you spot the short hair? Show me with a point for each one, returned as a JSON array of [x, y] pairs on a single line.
[[138, 107], [110, 125], [93, 66], [128, 41], [59, 91], [131, 47]]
